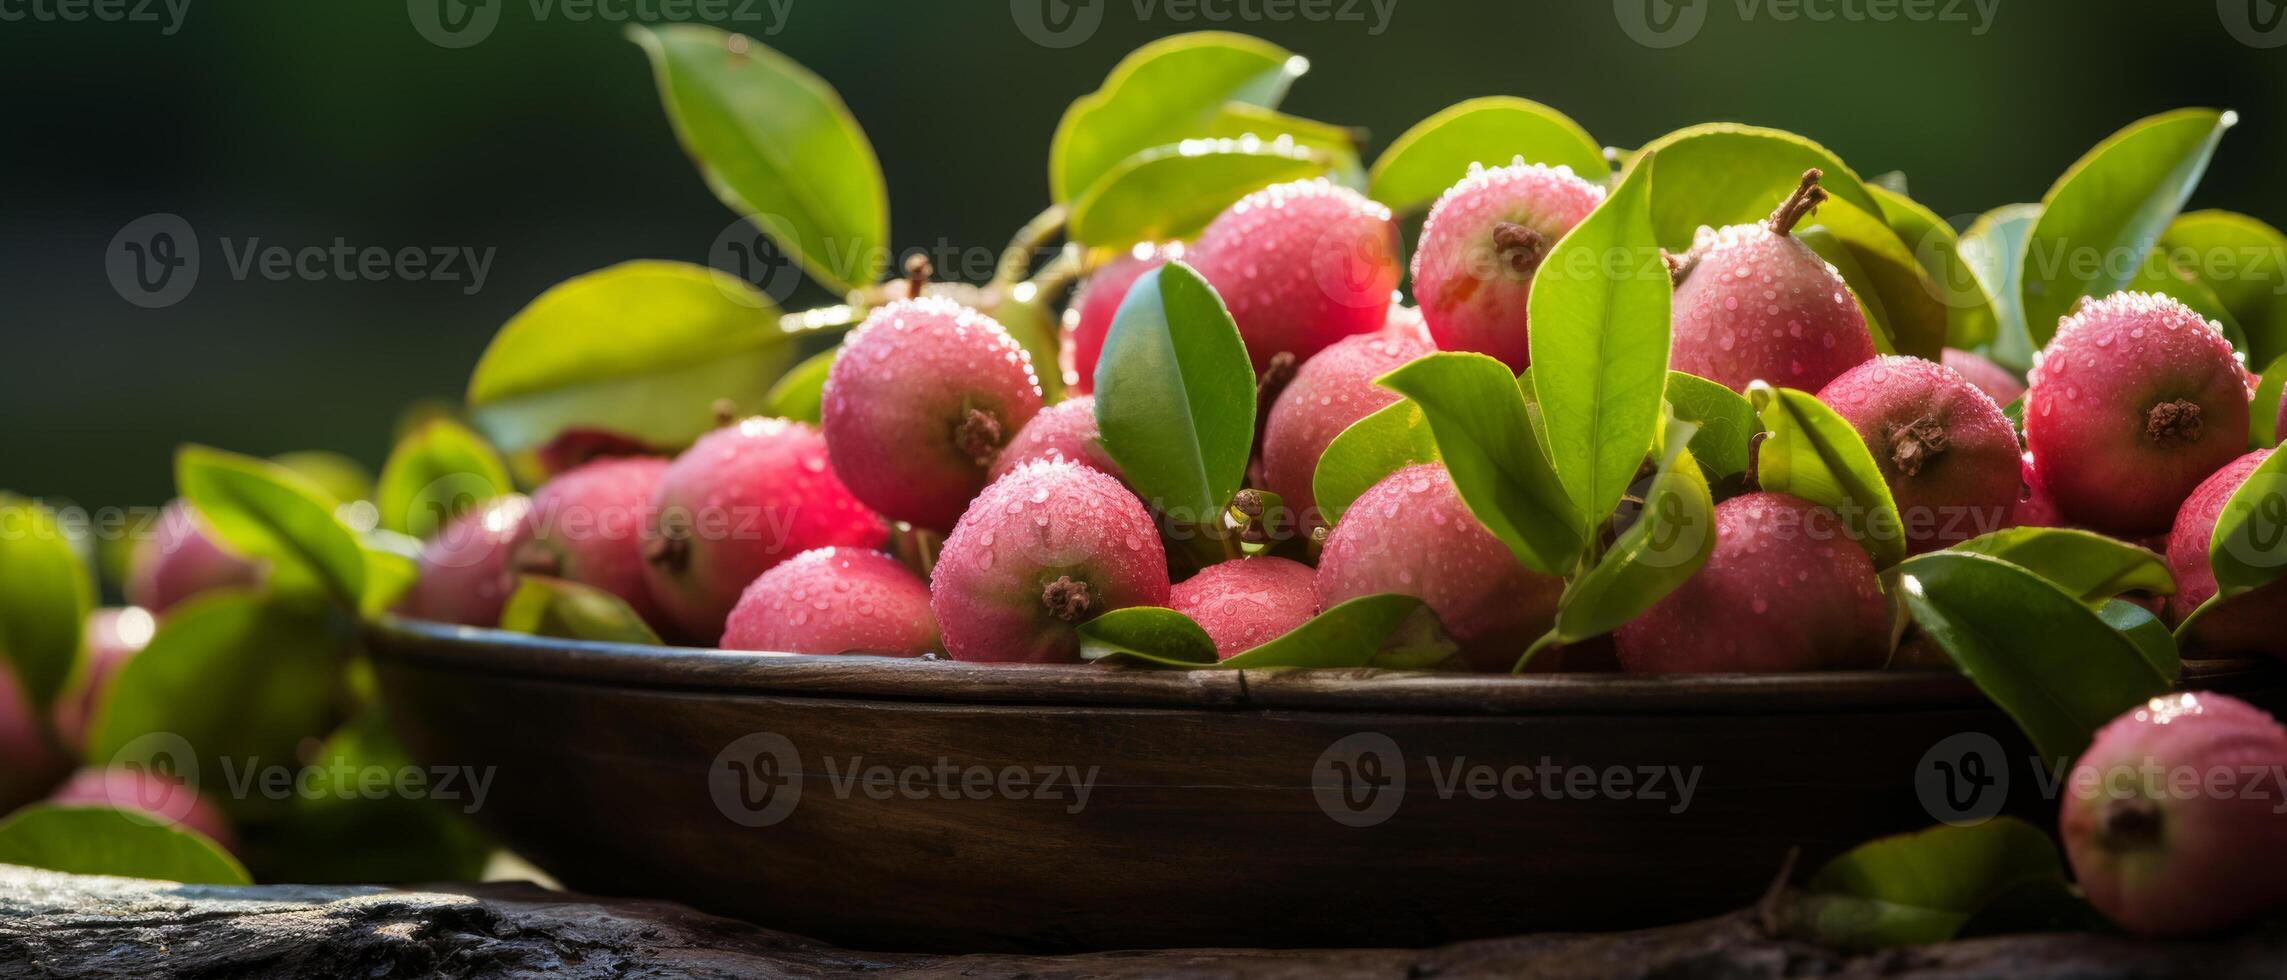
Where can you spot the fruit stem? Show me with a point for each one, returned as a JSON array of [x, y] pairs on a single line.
[[2173, 423], [1806, 198], [1016, 259], [1547, 640], [1066, 598], [1915, 444], [1058, 275], [1521, 247], [918, 272]]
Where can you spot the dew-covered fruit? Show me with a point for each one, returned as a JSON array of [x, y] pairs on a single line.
[[181, 558], [1044, 549], [1246, 602], [465, 576], [923, 397], [587, 526], [1996, 381], [1300, 266], [2170, 818], [1481, 244], [742, 499], [1329, 393], [111, 637], [2250, 623], [1948, 453], [1785, 589], [30, 761], [1065, 430], [1411, 534], [1089, 317], [1754, 303], [140, 791], [835, 600], [2135, 402]]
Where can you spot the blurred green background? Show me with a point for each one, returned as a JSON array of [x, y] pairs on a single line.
[[298, 123]]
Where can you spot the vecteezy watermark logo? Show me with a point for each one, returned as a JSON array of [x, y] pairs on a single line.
[[169, 13], [1360, 779], [2258, 538], [1661, 23], [750, 255], [153, 261], [756, 781], [454, 23], [1964, 779], [1057, 23], [2255, 23]]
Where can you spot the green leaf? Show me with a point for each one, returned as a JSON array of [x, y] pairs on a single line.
[[1672, 535], [2055, 666], [265, 510], [342, 478], [100, 840], [1173, 191], [1351, 634], [2263, 419], [2147, 632], [1728, 174], [231, 678], [1175, 395], [2244, 261], [1147, 634], [1970, 317], [1437, 152], [1163, 93], [406, 831], [2249, 547], [642, 348], [1922, 887], [1725, 420], [1906, 307], [435, 474], [2091, 566], [1814, 454], [392, 565], [2100, 220], [1477, 412], [1600, 345], [45, 596], [543, 606], [776, 144], [798, 393], [1373, 447], [1336, 144], [1994, 249]]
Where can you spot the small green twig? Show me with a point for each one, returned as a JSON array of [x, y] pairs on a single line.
[[1016, 259]]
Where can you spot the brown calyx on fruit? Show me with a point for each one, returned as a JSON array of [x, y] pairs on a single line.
[[533, 558], [1519, 246], [671, 550], [1807, 197], [1066, 598], [1915, 444], [2131, 824], [979, 436], [2173, 423], [726, 412]]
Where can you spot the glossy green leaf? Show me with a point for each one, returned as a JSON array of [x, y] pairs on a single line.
[[1163, 93], [2151, 636], [1391, 439], [1970, 318], [343, 479], [1670, 535], [100, 840], [2263, 412], [231, 678], [264, 510], [1599, 310], [391, 567], [1175, 395], [2249, 547], [45, 596], [1351, 634], [2054, 665], [776, 144], [2101, 219], [2091, 566], [1814, 454], [2244, 261], [543, 606], [437, 473], [1147, 634], [1437, 152], [1172, 192], [1486, 439], [1725, 421], [1923, 887], [1994, 249], [1719, 174], [642, 348], [798, 394]]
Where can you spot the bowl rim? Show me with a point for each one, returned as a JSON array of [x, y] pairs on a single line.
[[468, 649]]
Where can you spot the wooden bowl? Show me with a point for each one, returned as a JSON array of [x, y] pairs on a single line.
[[905, 804]]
